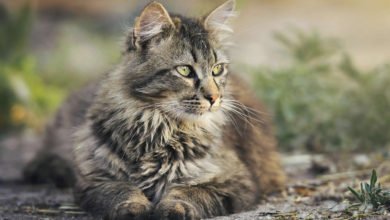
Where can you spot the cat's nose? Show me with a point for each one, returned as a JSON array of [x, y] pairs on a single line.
[[211, 98]]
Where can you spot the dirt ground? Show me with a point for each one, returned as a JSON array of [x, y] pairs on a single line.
[[317, 188]]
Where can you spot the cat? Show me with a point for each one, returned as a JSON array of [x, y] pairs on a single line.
[[169, 133]]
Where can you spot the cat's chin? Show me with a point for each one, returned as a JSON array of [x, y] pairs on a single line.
[[202, 111], [207, 117], [192, 116]]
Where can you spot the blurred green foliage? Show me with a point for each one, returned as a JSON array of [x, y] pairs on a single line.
[[25, 99], [13, 32], [321, 101]]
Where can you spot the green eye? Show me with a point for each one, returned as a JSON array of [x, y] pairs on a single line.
[[183, 70], [217, 70]]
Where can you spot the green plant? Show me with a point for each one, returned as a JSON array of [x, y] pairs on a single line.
[[321, 101], [25, 99], [14, 30], [371, 194]]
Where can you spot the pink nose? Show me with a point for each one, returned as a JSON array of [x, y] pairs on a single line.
[[211, 97]]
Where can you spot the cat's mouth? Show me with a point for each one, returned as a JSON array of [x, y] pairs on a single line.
[[200, 108], [190, 109], [196, 111]]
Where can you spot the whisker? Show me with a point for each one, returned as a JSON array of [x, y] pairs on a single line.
[[242, 111], [238, 113], [234, 122], [249, 108]]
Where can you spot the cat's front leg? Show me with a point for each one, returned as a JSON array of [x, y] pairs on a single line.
[[113, 200], [210, 199]]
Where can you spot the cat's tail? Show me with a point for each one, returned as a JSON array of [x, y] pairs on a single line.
[[53, 164], [49, 168]]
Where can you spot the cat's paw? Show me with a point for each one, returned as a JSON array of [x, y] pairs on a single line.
[[131, 211], [175, 210]]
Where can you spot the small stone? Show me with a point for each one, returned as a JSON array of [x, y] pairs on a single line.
[[361, 161]]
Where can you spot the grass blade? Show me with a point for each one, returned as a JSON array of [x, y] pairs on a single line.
[[356, 194]]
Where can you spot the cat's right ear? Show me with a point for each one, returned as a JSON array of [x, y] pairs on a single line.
[[153, 19]]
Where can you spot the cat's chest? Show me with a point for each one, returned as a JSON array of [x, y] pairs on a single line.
[[182, 159]]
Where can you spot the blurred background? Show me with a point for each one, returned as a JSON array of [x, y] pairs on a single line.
[[322, 67]]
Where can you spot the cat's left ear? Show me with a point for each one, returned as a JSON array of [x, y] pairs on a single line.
[[217, 22]]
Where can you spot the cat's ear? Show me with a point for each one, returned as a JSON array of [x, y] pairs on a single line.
[[153, 19], [217, 22]]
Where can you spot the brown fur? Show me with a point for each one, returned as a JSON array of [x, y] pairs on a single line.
[[138, 156]]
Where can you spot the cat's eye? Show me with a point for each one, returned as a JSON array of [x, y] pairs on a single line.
[[218, 69], [183, 70]]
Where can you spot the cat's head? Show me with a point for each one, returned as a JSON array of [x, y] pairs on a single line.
[[178, 64]]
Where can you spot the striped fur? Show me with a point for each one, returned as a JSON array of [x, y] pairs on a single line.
[[156, 144]]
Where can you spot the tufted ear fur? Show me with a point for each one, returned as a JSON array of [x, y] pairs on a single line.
[[217, 21], [152, 21]]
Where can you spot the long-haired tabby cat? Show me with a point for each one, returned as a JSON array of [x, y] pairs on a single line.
[[169, 133]]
